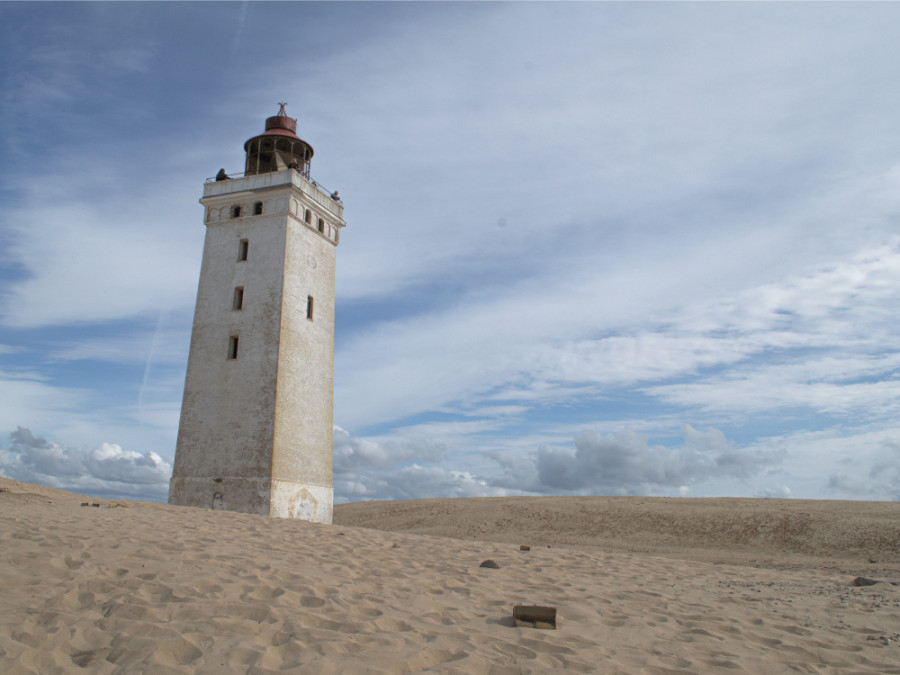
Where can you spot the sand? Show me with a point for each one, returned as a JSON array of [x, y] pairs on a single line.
[[859, 537], [640, 586]]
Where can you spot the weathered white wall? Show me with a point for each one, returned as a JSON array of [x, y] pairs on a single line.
[[304, 402]]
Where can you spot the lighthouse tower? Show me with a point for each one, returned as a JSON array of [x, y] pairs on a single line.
[[256, 420]]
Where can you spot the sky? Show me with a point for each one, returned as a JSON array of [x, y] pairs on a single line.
[[591, 248]]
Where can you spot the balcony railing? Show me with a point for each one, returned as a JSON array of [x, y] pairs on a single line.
[[239, 182]]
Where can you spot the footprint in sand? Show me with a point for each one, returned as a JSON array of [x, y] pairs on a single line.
[[392, 626], [71, 563]]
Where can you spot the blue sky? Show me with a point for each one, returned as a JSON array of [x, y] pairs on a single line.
[[592, 248]]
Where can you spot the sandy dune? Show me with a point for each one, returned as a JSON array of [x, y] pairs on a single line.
[[862, 537], [157, 589]]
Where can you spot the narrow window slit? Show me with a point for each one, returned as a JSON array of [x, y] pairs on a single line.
[[232, 347], [243, 249], [238, 298], [309, 307]]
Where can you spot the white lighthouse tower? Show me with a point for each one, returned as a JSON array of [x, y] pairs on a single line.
[[256, 420]]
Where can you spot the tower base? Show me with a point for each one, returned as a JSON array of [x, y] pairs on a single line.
[[264, 497]]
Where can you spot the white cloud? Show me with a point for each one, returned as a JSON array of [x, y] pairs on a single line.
[[358, 454], [622, 464], [105, 470], [28, 395], [751, 391], [640, 138], [627, 464], [397, 468], [880, 478], [415, 482], [60, 74], [807, 340], [832, 462], [780, 492], [166, 345], [408, 465], [85, 265]]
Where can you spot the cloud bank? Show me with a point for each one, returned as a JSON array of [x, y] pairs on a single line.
[[598, 464], [106, 470]]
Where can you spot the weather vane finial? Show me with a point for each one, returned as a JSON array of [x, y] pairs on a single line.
[[281, 112]]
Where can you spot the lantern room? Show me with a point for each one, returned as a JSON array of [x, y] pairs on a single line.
[[278, 147]]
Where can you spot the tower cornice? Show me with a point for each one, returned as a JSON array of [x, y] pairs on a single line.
[[273, 180]]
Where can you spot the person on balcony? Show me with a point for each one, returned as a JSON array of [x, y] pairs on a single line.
[[221, 175]]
